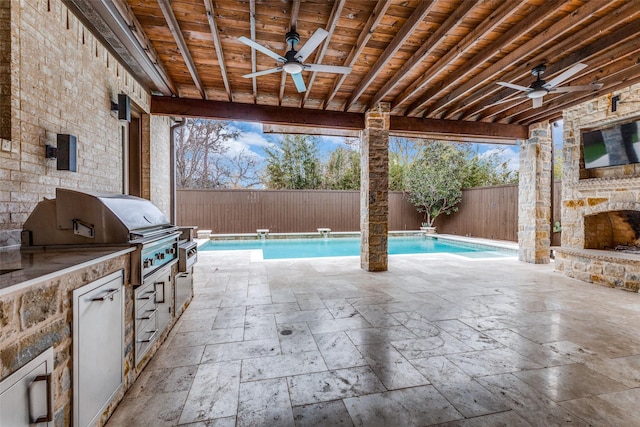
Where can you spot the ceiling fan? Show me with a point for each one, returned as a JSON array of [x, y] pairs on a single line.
[[539, 88], [293, 61]]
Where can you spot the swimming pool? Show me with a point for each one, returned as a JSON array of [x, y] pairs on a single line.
[[348, 246]]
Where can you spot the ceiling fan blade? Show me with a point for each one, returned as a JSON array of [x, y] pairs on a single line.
[[576, 68], [258, 46], [299, 82], [583, 88], [514, 86], [263, 72], [311, 44], [327, 68], [537, 102]]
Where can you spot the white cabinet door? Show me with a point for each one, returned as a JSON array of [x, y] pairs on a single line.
[[98, 346], [26, 397]]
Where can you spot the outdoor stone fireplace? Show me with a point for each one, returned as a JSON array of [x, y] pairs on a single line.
[[600, 207]]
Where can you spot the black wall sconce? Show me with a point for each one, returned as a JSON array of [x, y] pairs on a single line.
[[122, 107], [65, 153]]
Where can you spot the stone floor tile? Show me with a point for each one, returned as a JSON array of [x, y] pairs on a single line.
[[230, 317], [215, 336], [437, 345], [260, 326], [264, 403], [296, 338], [157, 410], [471, 399], [167, 380], [471, 337], [325, 414], [331, 385], [625, 370], [391, 367], [541, 354], [339, 307], [627, 400], [338, 351], [532, 405], [283, 365], [214, 393], [500, 419], [440, 371], [379, 335], [286, 307], [569, 382], [197, 324], [338, 325], [376, 316], [240, 350], [596, 411], [171, 357], [304, 316], [218, 422], [490, 362], [417, 406]]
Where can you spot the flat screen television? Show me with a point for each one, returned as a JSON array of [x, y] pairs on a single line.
[[611, 146]]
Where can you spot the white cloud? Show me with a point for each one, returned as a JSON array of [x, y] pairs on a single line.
[[507, 153]]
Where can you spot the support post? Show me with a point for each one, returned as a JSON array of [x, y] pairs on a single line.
[[534, 195], [374, 189]]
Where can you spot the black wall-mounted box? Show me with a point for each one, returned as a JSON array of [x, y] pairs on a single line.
[[66, 154]]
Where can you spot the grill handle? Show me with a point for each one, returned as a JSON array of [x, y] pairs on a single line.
[[108, 296]]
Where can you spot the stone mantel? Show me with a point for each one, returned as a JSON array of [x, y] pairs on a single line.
[[594, 185]]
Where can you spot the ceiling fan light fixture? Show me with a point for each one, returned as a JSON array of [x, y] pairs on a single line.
[[537, 93], [293, 67]]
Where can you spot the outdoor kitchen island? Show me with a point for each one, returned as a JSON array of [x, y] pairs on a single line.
[[37, 310], [80, 320]]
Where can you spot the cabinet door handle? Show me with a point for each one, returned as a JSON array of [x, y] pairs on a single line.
[[48, 417], [148, 314], [156, 284], [108, 296], [151, 337], [148, 295]]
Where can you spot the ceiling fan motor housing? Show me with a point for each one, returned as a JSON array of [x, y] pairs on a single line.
[[292, 66]]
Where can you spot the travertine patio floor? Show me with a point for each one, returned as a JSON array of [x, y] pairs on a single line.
[[438, 339]]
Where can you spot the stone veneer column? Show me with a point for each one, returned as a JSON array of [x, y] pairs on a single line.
[[374, 189], [534, 195]]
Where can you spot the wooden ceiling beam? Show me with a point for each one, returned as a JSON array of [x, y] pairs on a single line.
[[293, 23], [174, 27], [275, 115], [529, 22], [420, 126], [427, 47], [546, 38], [416, 18], [331, 26], [604, 51], [627, 12], [208, 4], [505, 10], [365, 34]]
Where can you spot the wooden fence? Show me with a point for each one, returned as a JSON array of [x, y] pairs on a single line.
[[490, 212], [284, 211]]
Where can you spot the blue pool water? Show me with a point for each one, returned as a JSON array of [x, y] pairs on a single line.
[[346, 246]]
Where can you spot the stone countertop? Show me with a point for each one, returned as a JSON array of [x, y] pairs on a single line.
[[23, 268]]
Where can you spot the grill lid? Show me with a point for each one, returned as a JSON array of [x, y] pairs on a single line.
[[85, 217]]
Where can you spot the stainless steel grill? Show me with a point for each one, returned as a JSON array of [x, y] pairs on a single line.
[[84, 218]]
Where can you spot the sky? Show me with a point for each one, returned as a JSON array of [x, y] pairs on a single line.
[[253, 140]]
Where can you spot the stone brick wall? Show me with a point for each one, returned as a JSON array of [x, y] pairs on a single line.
[[596, 191], [62, 80]]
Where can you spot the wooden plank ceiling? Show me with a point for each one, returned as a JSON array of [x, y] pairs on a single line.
[[430, 59]]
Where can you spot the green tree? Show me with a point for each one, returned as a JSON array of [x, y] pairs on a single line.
[[491, 168], [293, 163], [434, 180], [402, 151], [342, 171]]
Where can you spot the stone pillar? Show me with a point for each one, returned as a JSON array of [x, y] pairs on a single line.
[[374, 189], [534, 195]]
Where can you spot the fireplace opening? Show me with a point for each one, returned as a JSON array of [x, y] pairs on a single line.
[[613, 230]]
